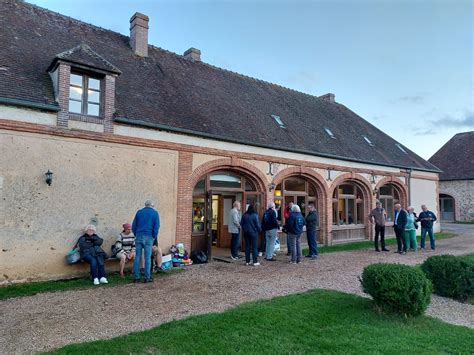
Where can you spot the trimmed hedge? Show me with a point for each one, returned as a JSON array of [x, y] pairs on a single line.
[[452, 276], [397, 288]]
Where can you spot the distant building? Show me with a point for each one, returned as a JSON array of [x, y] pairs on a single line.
[[118, 121], [456, 160]]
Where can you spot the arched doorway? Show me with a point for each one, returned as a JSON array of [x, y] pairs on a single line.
[[446, 206], [350, 207], [213, 197]]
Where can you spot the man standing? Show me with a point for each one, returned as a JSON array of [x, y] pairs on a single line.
[[234, 229], [287, 214], [426, 218], [379, 216], [145, 226], [399, 224], [270, 228], [311, 225]]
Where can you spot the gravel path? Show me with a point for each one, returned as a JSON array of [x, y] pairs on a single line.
[[52, 320]]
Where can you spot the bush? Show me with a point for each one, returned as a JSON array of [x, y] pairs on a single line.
[[451, 276], [397, 288]]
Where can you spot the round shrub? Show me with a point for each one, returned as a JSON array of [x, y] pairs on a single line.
[[451, 276], [397, 288]]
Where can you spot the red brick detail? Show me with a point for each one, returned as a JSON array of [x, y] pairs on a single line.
[[324, 214], [109, 103], [184, 200], [64, 74], [401, 188], [367, 194]]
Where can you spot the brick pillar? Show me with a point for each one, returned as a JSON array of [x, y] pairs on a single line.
[[185, 200], [109, 103], [64, 73], [328, 221]]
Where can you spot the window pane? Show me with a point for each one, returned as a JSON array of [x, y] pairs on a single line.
[[346, 189], [94, 84], [93, 96], [75, 106], [75, 93], [360, 213], [93, 109], [300, 201], [76, 79], [225, 181], [198, 214], [386, 190], [311, 190], [351, 211], [295, 185], [335, 213], [199, 188], [389, 209], [249, 186]]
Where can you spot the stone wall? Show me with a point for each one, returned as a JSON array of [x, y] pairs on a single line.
[[463, 193]]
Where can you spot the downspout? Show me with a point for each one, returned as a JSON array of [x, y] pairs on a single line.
[[409, 171]]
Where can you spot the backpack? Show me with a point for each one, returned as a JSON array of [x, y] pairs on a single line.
[[266, 219], [199, 257]]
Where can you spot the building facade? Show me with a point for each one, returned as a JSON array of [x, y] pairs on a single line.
[[118, 121], [456, 159]]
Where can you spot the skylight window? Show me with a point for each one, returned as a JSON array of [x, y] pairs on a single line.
[[401, 148], [330, 134], [368, 141], [278, 121]]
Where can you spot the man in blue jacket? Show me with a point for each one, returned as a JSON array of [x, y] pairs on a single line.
[[399, 223], [145, 227], [270, 227], [426, 218], [294, 227]]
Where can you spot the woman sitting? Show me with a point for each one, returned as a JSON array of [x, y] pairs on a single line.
[[125, 247], [93, 254]]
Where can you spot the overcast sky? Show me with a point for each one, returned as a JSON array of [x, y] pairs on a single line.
[[405, 66]]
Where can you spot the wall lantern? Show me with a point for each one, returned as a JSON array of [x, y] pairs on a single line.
[[329, 174], [373, 177], [49, 177], [271, 187]]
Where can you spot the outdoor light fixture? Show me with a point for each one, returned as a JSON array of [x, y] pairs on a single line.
[[329, 174], [375, 191], [271, 187], [49, 177], [373, 177]]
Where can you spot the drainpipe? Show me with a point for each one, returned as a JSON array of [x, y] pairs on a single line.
[[409, 171]]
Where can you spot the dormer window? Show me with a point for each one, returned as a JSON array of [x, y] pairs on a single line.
[[278, 121], [84, 95]]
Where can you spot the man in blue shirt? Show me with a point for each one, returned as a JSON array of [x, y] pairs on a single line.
[[399, 224], [426, 218], [145, 227]]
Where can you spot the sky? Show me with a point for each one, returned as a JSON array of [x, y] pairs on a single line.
[[405, 66]]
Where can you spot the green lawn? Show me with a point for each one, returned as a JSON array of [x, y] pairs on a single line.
[[312, 322], [29, 289], [369, 244]]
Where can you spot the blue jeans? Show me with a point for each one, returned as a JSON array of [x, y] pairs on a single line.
[[295, 247], [425, 230], [143, 243], [97, 270], [234, 245], [270, 237], [312, 242], [251, 241]]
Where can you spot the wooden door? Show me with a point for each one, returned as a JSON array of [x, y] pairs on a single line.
[[209, 224], [225, 205]]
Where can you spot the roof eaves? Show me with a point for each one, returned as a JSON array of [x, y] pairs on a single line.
[[29, 104], [269, 146]]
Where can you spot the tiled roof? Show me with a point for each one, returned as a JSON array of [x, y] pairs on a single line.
[[168, 91], [456, 158]]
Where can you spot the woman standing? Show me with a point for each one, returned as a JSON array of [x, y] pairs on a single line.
[[294, 227], [93, 254], [410, 230], [251, 228]]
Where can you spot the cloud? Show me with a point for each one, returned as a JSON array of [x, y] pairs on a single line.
[[305, 79], [466, 121], [415, 99]]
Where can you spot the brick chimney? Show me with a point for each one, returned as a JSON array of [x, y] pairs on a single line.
[[328, 97], [139, 34], [193, 54]]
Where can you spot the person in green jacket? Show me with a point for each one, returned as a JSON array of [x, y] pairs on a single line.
[[410, 230]]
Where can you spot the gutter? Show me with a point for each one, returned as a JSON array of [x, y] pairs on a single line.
[[29, 104], [167, 128]]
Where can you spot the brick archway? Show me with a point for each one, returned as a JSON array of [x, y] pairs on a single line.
[[189, 179], [401, 188], [321, 190], [368, 198]]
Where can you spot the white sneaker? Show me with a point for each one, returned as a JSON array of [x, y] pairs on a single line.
[[103, 280], [96, 281], [256, 264], [260, 254]]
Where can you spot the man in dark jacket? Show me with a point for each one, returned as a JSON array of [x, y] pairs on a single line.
[[399, 223], [92, 253], [251, 228], [311, 225], [294, 227], [426, 218], [270, 228], [145, 227]]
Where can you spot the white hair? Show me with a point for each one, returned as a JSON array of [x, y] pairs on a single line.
[[271, 205], [295, 208], [149, 203], [411, 208], [91, 227]]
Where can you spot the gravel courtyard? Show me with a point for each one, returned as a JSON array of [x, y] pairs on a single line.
[[52, 320]]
